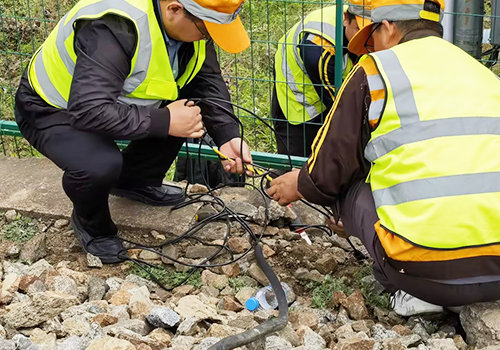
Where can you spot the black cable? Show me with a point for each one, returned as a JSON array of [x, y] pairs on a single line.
[[222, 211]]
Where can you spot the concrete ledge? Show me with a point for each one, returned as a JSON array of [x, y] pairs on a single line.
[[34, 185]]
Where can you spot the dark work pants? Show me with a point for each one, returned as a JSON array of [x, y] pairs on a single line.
[[93, 164], [298, 138], [357, 210]]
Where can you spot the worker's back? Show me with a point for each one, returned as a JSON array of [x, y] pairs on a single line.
[[436, 172]]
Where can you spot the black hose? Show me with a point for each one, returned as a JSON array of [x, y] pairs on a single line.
[[267, 327]]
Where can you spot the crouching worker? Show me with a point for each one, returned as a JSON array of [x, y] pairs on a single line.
[[424, 116], [305, 73], [126, 70]]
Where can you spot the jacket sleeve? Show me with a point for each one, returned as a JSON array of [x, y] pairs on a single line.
[[337, 158], [220, 124], [104, 50], [318, 56]]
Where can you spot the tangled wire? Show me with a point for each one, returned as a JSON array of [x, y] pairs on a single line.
[[220, 212]]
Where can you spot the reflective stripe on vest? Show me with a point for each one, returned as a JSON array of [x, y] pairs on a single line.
[[296, 93], [435, 169], [150, 80]]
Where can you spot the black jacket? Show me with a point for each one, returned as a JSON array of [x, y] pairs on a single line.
[[104, 50]]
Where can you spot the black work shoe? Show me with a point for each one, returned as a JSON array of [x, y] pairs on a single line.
[[162, 195], [106, 248]]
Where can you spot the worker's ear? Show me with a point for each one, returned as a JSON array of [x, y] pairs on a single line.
[[389, 34], [172, 9]]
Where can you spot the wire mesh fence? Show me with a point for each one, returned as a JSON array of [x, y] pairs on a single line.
[[250, 76]]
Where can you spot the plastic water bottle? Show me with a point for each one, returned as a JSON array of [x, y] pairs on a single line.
[[265, 299]]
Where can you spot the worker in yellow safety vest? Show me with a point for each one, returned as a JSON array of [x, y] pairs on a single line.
[[126, 70], [305, 73], [409, 153]]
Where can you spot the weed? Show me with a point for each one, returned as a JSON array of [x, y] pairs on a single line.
[[20, 230], [169, 278], [372, 296], [322, 292], [237, 284]]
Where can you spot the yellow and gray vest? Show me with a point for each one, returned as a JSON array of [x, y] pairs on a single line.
[[296, 94], [150, 79], [435, 159]]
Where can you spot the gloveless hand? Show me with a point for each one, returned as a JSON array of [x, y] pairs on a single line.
[[232, 150], [284, 189], [185, 119]]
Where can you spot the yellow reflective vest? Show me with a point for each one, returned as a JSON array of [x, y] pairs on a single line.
[[296, 94], [150, 80], [435, 151]]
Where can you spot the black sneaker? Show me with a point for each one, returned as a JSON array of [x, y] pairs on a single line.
[[107, 248], [159, 196]]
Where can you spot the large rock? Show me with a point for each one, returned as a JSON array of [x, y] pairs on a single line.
[[140, 305], [161, 336], [222, 331], [481, 323], [7, 345], [355, 305], [39, 268], [256, 273], [206, 343], [136, 326], [201, 251], [23, 343], [97, 288], [163, 317], [196, 306], [211, 279], [71, 343], [326, 264], [9, 287], [276, 343], [238, 244], [306, 318], [354, 344], [442, 344], [109, 343], [43, 307], [183, 342], [77, 325], [34, 250], [189, 326], [312, 340], [44, 340], [244, 294], [63, 284]]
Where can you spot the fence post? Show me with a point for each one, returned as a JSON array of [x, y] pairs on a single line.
[[339, 44], [469, 26]]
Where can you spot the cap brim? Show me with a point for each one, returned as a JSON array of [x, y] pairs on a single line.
[[357, 43], [362, 22], [231, 37]]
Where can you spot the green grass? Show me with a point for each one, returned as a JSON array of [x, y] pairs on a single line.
[[321, 293], [20, 230], [237, 284], [24, 25], [169, 278]]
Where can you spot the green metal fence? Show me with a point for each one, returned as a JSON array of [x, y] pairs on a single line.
[[24, 24]]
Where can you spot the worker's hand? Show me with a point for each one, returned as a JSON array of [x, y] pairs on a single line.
[[338, 227], [185, 119], [232, 150], [284, 189]]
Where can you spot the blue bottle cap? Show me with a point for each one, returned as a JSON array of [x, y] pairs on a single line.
[[252, 304]]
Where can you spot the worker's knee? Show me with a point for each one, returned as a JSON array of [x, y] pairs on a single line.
[[98, 173]]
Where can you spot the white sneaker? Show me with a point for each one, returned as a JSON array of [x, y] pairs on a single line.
[[405, 304]]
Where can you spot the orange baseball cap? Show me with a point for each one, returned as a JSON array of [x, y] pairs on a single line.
[[393, 10], [362, 10], [222, 22]]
